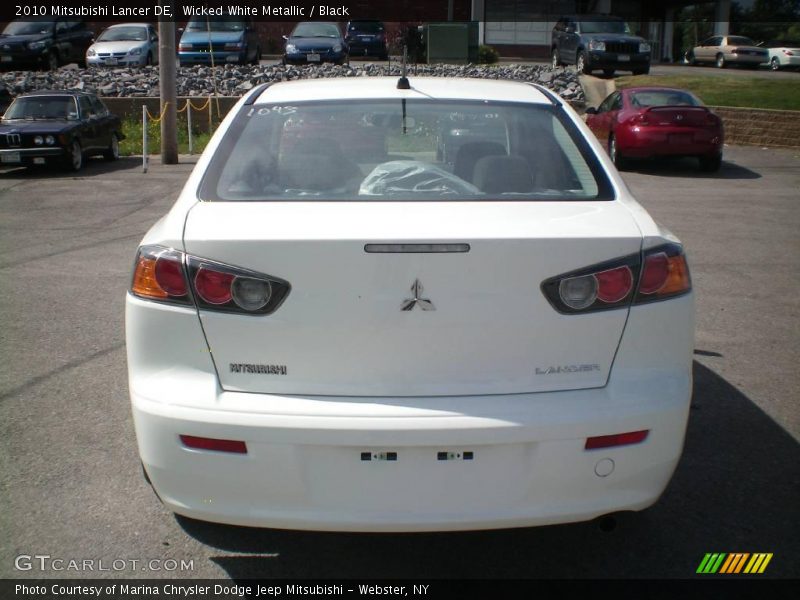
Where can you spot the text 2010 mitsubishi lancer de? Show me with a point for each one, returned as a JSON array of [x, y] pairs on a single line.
[[398, 338]]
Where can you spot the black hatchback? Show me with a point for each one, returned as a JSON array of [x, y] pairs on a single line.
[[366, 38]]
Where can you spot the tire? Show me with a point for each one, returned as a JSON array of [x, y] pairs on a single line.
[[149, 60], [619, 161], [112, 152], [609, 72], [690, 58], [556, 59], [74, 160], [775, 64], [52, 61], [720, 61], [580, 63], [710, 164]]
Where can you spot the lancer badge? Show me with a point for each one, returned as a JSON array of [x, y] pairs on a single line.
[[423, 303]]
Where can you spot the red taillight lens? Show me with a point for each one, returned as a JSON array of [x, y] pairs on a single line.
[[614, 285], [618, 439], [213, 286], [158, 275], [169, 275], [643, 120], [201, 443], [664, 275]]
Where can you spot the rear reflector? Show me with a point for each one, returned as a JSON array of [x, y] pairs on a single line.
[[618, 439], [201, 443]]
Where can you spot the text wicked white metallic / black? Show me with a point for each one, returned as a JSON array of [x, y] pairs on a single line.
[[277, 329]]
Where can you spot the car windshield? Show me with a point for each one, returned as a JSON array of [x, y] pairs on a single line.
[[43, 107], [123, 34], [316, 30], [215, 24], [28, 27], [402, 150], [664, 98], [740, 41], [366, 26], [604, 27]]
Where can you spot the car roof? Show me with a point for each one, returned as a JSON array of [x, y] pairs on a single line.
[[378, 88], [55, 93], [654, 88], [128, 25]]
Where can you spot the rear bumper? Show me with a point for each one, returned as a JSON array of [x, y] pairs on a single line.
[[301, 58], [613, 60], [647, 142], [305, 466]]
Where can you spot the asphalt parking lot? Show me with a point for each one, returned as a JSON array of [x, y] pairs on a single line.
[[70, 484]]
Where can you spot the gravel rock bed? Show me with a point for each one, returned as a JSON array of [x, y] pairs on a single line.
[[235, 80]]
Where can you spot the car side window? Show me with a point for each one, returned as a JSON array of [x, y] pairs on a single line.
[[606, 105], [86, 107], [98, 107], [617, 104]]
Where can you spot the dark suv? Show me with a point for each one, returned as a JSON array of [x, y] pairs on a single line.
[[366, 38], [44, 43], [599, 42]]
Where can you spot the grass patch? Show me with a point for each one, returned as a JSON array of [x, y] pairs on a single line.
[[132, 144], [750, 92]]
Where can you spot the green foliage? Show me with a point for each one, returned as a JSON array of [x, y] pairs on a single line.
[[487, 55], [132, 144], [749, 92]]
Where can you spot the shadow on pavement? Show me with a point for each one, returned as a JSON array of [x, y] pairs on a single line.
[[688, 167], [736, 489]]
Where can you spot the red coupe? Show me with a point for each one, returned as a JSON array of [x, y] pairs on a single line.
[[649, 122]]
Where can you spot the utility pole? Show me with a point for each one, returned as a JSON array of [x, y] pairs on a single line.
[[167, 90]]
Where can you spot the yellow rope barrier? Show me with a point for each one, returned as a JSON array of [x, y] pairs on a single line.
[[161, 116]]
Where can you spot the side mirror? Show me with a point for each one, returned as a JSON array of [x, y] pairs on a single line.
[[285, 37], [591, 110]]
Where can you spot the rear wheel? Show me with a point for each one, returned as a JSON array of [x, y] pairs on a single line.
[[619, 161], [775, 64], [721, 62], [710, 164], [690, 58], [580, 63]]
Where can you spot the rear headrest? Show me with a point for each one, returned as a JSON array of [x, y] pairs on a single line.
[[503, 174], [469, 154]]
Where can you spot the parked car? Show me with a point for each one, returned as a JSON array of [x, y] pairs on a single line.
[[219, 40], [783, 54], [725, 50], [316, 341], [650, 122], [315, 42], [44, 43], [594, 42], [366, 38], [126, 44], [58, 128]]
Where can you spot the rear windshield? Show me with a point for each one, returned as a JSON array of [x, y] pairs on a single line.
[[742, 41], [403, 150], [664, 98]]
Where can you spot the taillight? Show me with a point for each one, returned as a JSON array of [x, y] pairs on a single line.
[[618, 439], [657, 274], [202, 443], [158, 275], [643, 120], [167, 275]]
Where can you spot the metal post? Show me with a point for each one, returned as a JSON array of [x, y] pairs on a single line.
[[210, 117], [189, 124], [144, 138], [167, 89]]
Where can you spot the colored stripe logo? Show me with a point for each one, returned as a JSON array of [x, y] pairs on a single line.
[[734, 563]]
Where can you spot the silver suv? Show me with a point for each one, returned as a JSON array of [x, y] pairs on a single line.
[[599, 42]]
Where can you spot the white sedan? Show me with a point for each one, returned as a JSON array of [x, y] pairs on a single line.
[[125, 44], [375, 308], [783, 55]]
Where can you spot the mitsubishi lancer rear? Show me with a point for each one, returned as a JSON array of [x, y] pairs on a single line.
[[407, 305]]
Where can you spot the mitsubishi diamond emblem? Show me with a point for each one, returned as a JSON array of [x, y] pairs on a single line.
[[423, 303]]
